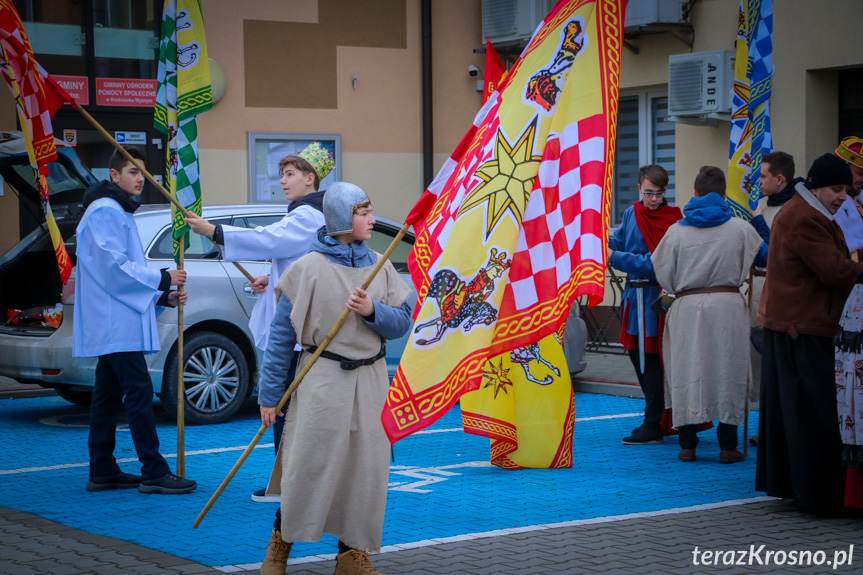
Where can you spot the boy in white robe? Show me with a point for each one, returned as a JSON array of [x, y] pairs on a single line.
[[284, 242], [115, 319]]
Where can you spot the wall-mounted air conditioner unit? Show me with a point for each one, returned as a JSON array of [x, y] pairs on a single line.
[[650, 12], [701, 84], [512, 21]]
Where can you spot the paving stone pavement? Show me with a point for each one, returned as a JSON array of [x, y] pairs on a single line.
[[662, 543], [31, 545]]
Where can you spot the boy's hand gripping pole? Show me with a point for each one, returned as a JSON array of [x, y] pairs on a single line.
[[147, 174], [299, 377]]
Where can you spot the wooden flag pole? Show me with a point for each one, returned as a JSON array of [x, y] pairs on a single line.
[[181, 387], [299, 378], [147, 174], [746, 411]]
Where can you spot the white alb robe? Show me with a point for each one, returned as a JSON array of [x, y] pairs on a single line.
[[285, 242], [115, 291]]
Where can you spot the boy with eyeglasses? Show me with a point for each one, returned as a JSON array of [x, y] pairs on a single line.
[[644, 225]]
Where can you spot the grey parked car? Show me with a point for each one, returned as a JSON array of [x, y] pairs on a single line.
[[221, 362], [220, 358]]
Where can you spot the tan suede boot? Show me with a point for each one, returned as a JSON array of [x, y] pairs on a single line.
[[354, 562], [278, 552]]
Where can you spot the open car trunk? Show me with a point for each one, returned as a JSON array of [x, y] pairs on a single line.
[[31, 292]]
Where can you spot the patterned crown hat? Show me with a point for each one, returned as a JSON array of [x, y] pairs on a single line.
[[850, 150], [319, 158]]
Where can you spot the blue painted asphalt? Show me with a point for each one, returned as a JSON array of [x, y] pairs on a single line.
[[441, 484]]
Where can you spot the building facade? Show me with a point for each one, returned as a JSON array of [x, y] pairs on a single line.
[[352, 72]]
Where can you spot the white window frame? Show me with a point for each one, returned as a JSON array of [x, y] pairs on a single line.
[[255, 137]]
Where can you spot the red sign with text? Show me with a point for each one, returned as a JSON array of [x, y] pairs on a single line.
[[125, 92], [77, 86]]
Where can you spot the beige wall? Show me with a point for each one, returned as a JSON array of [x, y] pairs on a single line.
[[811, 40], [810, 44], [380, 121]]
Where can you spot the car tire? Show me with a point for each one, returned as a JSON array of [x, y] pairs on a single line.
[[72, 395], [216, 378]]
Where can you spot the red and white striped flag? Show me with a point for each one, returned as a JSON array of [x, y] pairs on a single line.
[[37, 97]]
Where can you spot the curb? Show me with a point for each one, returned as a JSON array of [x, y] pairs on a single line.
[[608, 387]]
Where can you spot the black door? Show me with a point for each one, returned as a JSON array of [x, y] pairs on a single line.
[[132, 127]]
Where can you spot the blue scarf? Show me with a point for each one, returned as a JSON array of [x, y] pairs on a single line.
[[706, 212], [353, 255]]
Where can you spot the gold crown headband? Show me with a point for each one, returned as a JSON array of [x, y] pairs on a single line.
[[319, 158], [845, 152]]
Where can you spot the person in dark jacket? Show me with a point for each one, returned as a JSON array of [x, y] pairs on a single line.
[[809, 277]]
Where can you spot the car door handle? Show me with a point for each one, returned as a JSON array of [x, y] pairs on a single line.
[[248, 289]]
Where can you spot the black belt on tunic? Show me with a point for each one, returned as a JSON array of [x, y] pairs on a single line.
[[349, 364], [642, 283]]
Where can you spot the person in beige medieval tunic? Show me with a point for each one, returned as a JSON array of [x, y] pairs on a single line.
[[704, 259], [333, 467]]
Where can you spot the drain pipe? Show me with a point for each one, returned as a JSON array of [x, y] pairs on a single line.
[[428, 136]]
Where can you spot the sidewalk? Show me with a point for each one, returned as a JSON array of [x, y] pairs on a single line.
[[609, 373], [657, 543]]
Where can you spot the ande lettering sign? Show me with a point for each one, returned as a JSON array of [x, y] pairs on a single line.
[[125, 92]]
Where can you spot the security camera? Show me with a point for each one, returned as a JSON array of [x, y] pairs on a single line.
[[473, 70]]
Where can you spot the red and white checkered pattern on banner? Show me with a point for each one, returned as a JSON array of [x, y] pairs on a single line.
[[41, 96], [562, 223]]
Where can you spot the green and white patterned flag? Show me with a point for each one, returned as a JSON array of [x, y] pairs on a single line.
[[183, 93]]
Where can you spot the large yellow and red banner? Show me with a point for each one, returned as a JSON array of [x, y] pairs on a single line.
[[514, 226], [37, 98], [525, 406]]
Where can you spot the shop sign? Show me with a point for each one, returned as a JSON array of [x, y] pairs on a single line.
[[131, 137], [77, 86], [125, 92]]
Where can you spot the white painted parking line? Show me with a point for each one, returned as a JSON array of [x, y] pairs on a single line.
[[514, 530], [616, 416], [265, 446], [130, 459]]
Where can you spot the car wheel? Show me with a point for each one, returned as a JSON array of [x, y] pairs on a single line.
[[72, 395], [215, 376]]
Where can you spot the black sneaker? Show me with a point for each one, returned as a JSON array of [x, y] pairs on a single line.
[[169, 484], [119, 481], [643, 436], [260, 496], [637, 429]]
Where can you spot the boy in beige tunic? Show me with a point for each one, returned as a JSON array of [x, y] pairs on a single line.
[[704, 259], [333, 467]]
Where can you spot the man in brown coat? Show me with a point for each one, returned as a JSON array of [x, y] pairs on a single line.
[[809, 277]]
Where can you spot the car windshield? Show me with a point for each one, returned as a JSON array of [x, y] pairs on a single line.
[[60, 179]]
